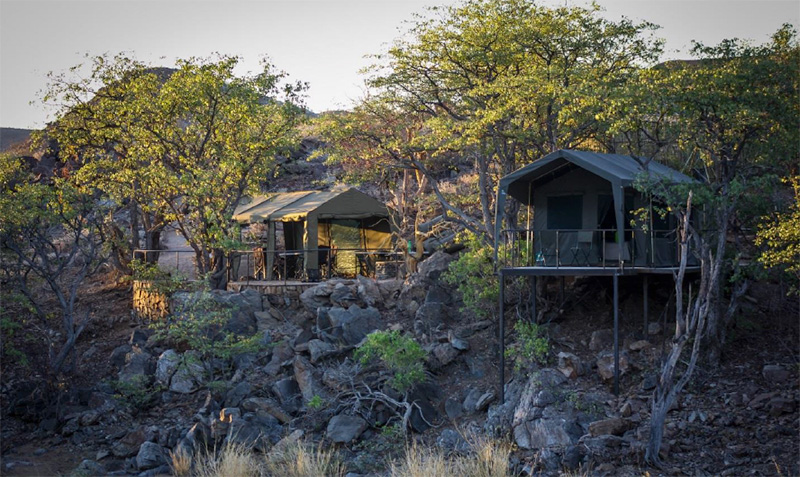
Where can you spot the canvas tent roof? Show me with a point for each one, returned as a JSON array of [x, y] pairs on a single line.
[[620, 170], [292, 206]]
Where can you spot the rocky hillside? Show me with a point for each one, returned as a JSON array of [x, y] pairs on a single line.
[[11, 137], [301, 381]]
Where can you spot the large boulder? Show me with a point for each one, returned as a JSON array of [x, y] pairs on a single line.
[[257, 431], [368, 291], [189, 375], [139, 367], [316, 296], [343, 428], [351, 325], [150, 455], [535, 426], [166, 366]]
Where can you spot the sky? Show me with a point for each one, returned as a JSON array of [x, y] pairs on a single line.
[[322, 42]]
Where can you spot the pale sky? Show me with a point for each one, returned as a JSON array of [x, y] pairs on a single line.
[[322, 42]]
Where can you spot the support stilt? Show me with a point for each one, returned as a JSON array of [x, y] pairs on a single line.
[[502, 338], [616, 335], [645, 299], [534, 315]]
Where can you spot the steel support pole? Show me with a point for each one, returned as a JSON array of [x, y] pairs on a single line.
[[534, 316], [502, 338], [645, 300], [616, 335]]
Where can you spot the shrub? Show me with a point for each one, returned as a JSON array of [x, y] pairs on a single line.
[[473, 275], [401, 355], [199, 325], [532, 345]]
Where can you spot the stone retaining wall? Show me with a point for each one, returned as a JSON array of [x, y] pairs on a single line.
[[149, 304]]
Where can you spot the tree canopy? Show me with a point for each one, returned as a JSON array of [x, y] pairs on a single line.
[[179, 146]]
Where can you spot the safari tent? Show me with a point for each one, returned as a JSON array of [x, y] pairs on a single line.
[[315, 223]]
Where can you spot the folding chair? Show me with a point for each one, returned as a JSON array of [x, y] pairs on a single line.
[[582, 251]]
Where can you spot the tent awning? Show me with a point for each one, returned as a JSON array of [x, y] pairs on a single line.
[[295, 206]]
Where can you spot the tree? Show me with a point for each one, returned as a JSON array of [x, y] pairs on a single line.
[[177, 146], [53, 232], [497, 82], [735, 113], [779, 237]]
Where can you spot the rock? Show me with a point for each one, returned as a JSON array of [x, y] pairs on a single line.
[[139, 368], [138, 338], [639, 345], [199, 436], [431, 314], [117, 357], [471, 400], [781, 405], [89, 418], [601, 339], [319, 349], [90, 468], [342, 295], [308, 379], [605, 365], [484, 401], [572, 458], [443, 354], [353, 324], [654, 328], [167, 363], [150, 455], [453, 408], [343, 428], [649, 382], [438, 294], [265, 321], [129, 444], [315, 297], [281, 354], [235, 396], [267, 405], [368, 291], [457, 343], [258, 432], [288, 393], [279, 449], [452, 441], [614, 426], [432, 267], [545, 398], [189, 375], [541, 433], [775, 373], [229, 414], [570, 365]]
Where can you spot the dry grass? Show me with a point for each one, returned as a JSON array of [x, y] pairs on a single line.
[[489, 460], [234, 460], [298, 461], [180, 462]]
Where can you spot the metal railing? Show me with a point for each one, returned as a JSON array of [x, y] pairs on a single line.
[[286, 265], [587, 248]]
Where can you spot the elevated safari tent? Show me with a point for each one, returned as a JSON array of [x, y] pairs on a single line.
[[317, 227], [580, 209]]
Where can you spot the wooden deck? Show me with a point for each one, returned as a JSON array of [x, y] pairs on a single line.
[[590, 271]]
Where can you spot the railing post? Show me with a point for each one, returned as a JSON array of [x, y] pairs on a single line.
[[558, 252]]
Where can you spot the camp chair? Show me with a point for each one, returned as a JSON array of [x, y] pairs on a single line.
[[583, 249]]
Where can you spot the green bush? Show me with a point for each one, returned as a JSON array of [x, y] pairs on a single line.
[[199, 325], [473, 274], [532, 345], [401, 355]]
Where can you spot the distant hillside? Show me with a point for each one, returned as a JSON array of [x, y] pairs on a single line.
[[12, 136]]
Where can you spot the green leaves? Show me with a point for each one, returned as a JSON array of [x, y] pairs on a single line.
[[186, 144], [403, 357]]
